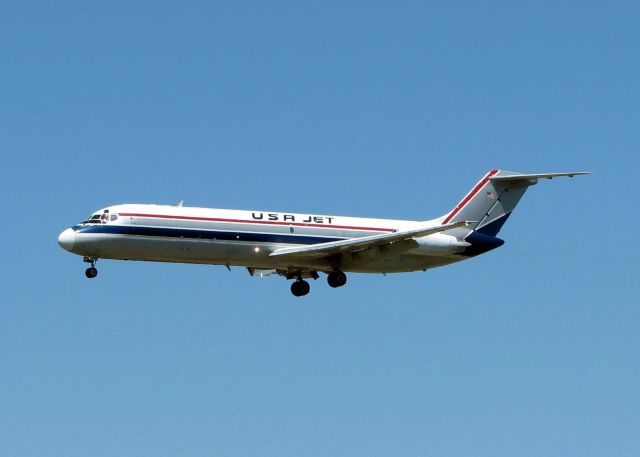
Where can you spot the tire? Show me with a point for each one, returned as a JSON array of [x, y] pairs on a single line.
[[337, 279], [300, 288], [304, 287]]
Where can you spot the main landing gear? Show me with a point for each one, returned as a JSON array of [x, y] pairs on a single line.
[[300, 287], [92, 271], [337, 279]]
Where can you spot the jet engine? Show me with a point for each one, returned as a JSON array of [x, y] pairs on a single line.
[[438, 244]]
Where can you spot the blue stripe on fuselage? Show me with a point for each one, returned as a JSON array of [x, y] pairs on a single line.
[[202, 234]]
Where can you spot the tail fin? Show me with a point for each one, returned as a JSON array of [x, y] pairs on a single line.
[[492, 200]]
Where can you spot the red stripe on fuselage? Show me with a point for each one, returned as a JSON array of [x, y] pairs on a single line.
[[470, 195], [242, 221]]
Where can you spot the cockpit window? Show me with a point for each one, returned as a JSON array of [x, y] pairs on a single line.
[[95, 219], [101, 218]]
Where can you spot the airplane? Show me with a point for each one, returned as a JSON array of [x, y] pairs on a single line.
[[300, 246]]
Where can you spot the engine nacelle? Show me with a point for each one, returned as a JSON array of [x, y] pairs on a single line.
[[439, 244]]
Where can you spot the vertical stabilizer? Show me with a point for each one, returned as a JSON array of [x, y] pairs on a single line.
[[494, 197], [489, 203]]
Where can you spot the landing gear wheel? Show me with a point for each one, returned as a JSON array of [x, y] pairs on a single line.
[[91, 272], [337, 279], [300, 288]]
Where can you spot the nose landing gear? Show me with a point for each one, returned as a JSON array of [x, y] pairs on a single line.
[[92, 271]]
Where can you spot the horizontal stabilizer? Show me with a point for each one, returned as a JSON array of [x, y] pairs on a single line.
[[506, 176], [355, 244]]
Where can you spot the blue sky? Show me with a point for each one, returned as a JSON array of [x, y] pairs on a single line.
[[372, 109]]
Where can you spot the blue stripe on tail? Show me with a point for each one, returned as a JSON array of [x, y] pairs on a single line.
[[492, 228], [480, 243], [484, 239]]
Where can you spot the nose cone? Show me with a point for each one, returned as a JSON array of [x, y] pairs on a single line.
[[67, 239]]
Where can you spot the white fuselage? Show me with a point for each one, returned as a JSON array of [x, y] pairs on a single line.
[[247, 238]]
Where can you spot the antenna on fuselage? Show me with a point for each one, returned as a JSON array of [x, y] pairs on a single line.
[[181, 203]]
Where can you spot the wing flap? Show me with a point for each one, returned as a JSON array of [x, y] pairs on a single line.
[[355, 244]]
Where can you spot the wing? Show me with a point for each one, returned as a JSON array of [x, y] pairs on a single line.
[[355, 244]]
